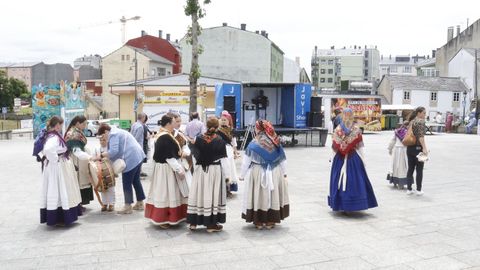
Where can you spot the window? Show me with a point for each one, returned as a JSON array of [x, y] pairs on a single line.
[[322, 71], [128, 57], [330, 80], [393, 69], [433, 96], [161, 71], [406, 95], [365, 63], [330, 62], [330, 71], [407, 69], [322, 80], [365, 72], [456, 97], [123, 57], [323, 61]]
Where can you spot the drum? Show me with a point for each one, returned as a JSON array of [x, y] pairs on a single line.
[[102, 174]]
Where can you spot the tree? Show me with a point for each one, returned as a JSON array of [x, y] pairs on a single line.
[[10, 89], [196, 12]]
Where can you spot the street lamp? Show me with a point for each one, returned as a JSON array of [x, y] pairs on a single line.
[[464, 104]]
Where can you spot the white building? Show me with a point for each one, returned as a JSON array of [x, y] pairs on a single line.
[[331, 66], [291, 70], [436, 94], [236, 54], [94, 61], [462, 65], [399, 65]]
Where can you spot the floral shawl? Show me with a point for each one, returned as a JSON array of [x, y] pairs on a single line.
[[75, 138], [345, 142]]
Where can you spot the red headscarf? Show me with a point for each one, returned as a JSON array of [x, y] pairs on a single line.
[[229, 118], [267, 137]]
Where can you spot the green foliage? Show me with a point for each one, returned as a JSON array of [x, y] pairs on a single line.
[[11, 88]]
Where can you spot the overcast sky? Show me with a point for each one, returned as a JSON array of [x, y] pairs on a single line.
[[56, 31]]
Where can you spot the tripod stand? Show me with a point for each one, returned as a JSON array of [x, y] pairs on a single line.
[[250, 130]]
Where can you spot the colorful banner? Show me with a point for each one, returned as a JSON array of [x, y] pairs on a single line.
[[364, 110], [303, 93]]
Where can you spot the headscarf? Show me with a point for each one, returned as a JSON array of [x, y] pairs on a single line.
[[266, 136], [346, 117], [228, 116], [75, 138]]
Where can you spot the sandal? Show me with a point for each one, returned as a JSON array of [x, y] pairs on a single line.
[[165, 226], [104, 208], [259, 226], [216, 228], [270, 226], [111, 208], [192, 227]]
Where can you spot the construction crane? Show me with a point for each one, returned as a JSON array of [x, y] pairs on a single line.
[[122, 20]]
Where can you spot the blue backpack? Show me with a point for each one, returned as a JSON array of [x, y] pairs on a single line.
[[39, 143]]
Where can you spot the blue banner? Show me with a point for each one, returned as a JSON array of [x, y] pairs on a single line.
[[303, 93]]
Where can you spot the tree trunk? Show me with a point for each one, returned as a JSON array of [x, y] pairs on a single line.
[[194, 72]]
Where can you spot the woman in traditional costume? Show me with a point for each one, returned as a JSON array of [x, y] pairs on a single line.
[[265, 197], [167, 200], [208, 194], [186, 158], [60, 202], [76, 142], [226, 133], [398, 151], [350, 188]]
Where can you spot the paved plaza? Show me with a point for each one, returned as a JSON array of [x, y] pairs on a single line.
[[440, 230]]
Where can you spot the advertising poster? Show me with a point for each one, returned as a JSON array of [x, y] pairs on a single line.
[[367, 111]]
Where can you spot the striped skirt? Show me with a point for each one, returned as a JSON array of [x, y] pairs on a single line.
[[208, 196]]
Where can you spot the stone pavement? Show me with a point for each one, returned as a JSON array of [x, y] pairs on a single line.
[[440, 230]]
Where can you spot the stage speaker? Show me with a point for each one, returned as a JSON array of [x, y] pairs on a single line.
[[315, 104], [229, 104], [315, 119]]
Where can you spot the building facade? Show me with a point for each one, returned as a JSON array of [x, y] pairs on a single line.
[[399, 65], [436, 94], [159, 46], [331, 66], [40, 73], [94, 61], [236, 54], [119, 66]]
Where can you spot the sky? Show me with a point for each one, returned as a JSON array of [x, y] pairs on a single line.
[[58, 31]]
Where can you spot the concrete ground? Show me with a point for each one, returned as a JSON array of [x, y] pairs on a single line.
[[440, 230]]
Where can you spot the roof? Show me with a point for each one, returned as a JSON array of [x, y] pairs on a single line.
[[24, 64], [4, 65], [426, 83], [427, 62], [175, 80], [470, 51], [155, 57]]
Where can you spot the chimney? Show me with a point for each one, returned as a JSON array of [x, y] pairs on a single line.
[[458, 30], [390, 57], [168, 37], [257, 32], [433, 53], [450, 33], [266, 34], [297, 60], [332, 47], [263, 32], [160, 33], [355, 47], [224, 24], [143, 33], [243, 26], [381, 57]]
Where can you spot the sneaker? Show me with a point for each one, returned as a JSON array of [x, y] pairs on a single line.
[[420, 193], [138, 206], [410, 192], [127, 209]]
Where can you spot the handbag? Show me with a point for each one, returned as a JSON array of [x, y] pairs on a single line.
[[409, 138], [119, 165]]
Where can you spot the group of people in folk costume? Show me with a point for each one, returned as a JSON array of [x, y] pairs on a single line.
[[176, 195]]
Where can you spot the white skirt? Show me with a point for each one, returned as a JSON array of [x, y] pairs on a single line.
[[208, 196], [231, 164]]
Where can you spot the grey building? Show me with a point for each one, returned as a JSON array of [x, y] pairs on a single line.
[[40, 73], [94, 61]]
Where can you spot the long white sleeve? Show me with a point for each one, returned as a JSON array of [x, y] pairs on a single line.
[[283, 167], [245, 165], [225, 167], [82, 155], [392, 144], [186, 150], [173, 162], [50, 149], [234, 142]]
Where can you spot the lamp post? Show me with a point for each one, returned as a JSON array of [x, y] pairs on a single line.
[[135, 98], [464, 104]]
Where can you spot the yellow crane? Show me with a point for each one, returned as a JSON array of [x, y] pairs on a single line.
[[123, 22]]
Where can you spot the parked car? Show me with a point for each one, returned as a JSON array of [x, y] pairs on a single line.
[[92, 128]]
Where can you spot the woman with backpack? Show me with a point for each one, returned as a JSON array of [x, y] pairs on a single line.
[[418, 129], [76, 142], [398, 151], [60, 201]]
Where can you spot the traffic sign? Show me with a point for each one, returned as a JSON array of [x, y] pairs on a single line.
[[4, 110], [17, 102]]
